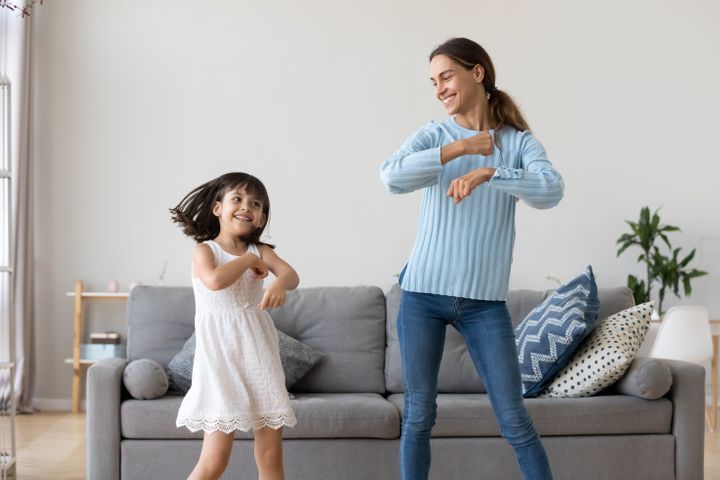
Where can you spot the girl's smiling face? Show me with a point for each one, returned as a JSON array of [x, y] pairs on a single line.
[[239, 212]]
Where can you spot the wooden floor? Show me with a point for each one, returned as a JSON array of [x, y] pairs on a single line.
[[51, 445]]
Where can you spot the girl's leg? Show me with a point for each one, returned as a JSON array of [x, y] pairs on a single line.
[[490, 338], [214, 456], [268, 453], [421, 330]]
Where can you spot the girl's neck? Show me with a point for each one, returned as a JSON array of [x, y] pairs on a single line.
[[231, 243], [476, 118]]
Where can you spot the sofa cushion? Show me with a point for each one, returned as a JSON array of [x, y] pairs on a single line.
[[319, 415], [604, 356], [647, 378], [468, 415], [612, 300], [145, 379], [457, 371], [346, 325], [180, 368], [160, 320], [548, 337], [296, 358]]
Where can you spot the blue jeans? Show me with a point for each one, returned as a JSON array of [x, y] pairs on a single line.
[[488, 332]]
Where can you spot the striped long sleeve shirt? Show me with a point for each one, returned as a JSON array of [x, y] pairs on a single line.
[[465, 250]]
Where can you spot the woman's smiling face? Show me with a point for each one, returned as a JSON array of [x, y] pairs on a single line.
[[455, 86]]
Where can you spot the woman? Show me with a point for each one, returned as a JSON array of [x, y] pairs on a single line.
[[483, 158]]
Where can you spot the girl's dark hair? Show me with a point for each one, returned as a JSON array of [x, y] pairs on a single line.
[[503, 110], [195, 215]]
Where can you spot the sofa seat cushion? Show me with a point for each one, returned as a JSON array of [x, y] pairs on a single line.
[[466, 415], [319, 415]]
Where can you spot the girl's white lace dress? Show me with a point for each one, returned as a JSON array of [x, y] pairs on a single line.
[[237, 379]]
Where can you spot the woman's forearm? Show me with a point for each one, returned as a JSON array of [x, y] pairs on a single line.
[[451, 151]]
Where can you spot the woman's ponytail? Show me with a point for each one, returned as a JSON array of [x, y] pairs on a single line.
[[504, 111]]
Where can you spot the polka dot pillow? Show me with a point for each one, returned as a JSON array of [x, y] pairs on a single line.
[[604, 356]]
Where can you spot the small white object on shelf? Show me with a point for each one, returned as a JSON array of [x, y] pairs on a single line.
[[105, 337]]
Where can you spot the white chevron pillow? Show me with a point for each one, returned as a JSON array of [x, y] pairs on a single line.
[[547, 338], [604, 356]]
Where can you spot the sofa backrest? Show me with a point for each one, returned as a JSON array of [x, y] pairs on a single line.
[[160, 320], [345, 324], [457, 371]]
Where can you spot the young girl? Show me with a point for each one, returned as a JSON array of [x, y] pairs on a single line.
[[237, 381]]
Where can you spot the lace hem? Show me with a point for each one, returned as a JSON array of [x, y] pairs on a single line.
[[242, 424]]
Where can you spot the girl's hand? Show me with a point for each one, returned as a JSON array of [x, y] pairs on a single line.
[[254, 258], [480, 144], [261, 269], [463, 186], [274, 297]]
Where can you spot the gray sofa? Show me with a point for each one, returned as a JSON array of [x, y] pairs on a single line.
[[349, 406]]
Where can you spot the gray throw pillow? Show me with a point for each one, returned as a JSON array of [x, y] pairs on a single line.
[[296, 357], [145, 379], [647, 378], [180, 368]]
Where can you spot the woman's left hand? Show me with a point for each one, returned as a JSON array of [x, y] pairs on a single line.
[[463, 186], [274, 297]]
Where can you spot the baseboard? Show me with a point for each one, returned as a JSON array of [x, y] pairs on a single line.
[[55, 404]]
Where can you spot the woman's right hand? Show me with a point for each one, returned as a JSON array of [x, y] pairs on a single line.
[[480, 144]]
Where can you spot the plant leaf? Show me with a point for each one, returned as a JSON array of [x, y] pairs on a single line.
[[687, 259]]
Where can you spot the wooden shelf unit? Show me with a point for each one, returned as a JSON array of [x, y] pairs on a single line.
[[80, 364]]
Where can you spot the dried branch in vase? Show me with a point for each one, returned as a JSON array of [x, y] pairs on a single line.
[[23, 11]]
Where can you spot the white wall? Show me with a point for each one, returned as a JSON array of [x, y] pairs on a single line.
[[137, 102]]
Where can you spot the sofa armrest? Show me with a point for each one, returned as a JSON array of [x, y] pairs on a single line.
[[104, 392], [688, 424]]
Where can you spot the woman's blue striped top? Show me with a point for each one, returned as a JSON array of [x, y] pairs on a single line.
[[465, 250]]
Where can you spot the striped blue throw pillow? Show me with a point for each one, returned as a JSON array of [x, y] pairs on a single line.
[[552, 331]]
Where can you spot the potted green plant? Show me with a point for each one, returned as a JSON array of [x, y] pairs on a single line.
[[668, 271]]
